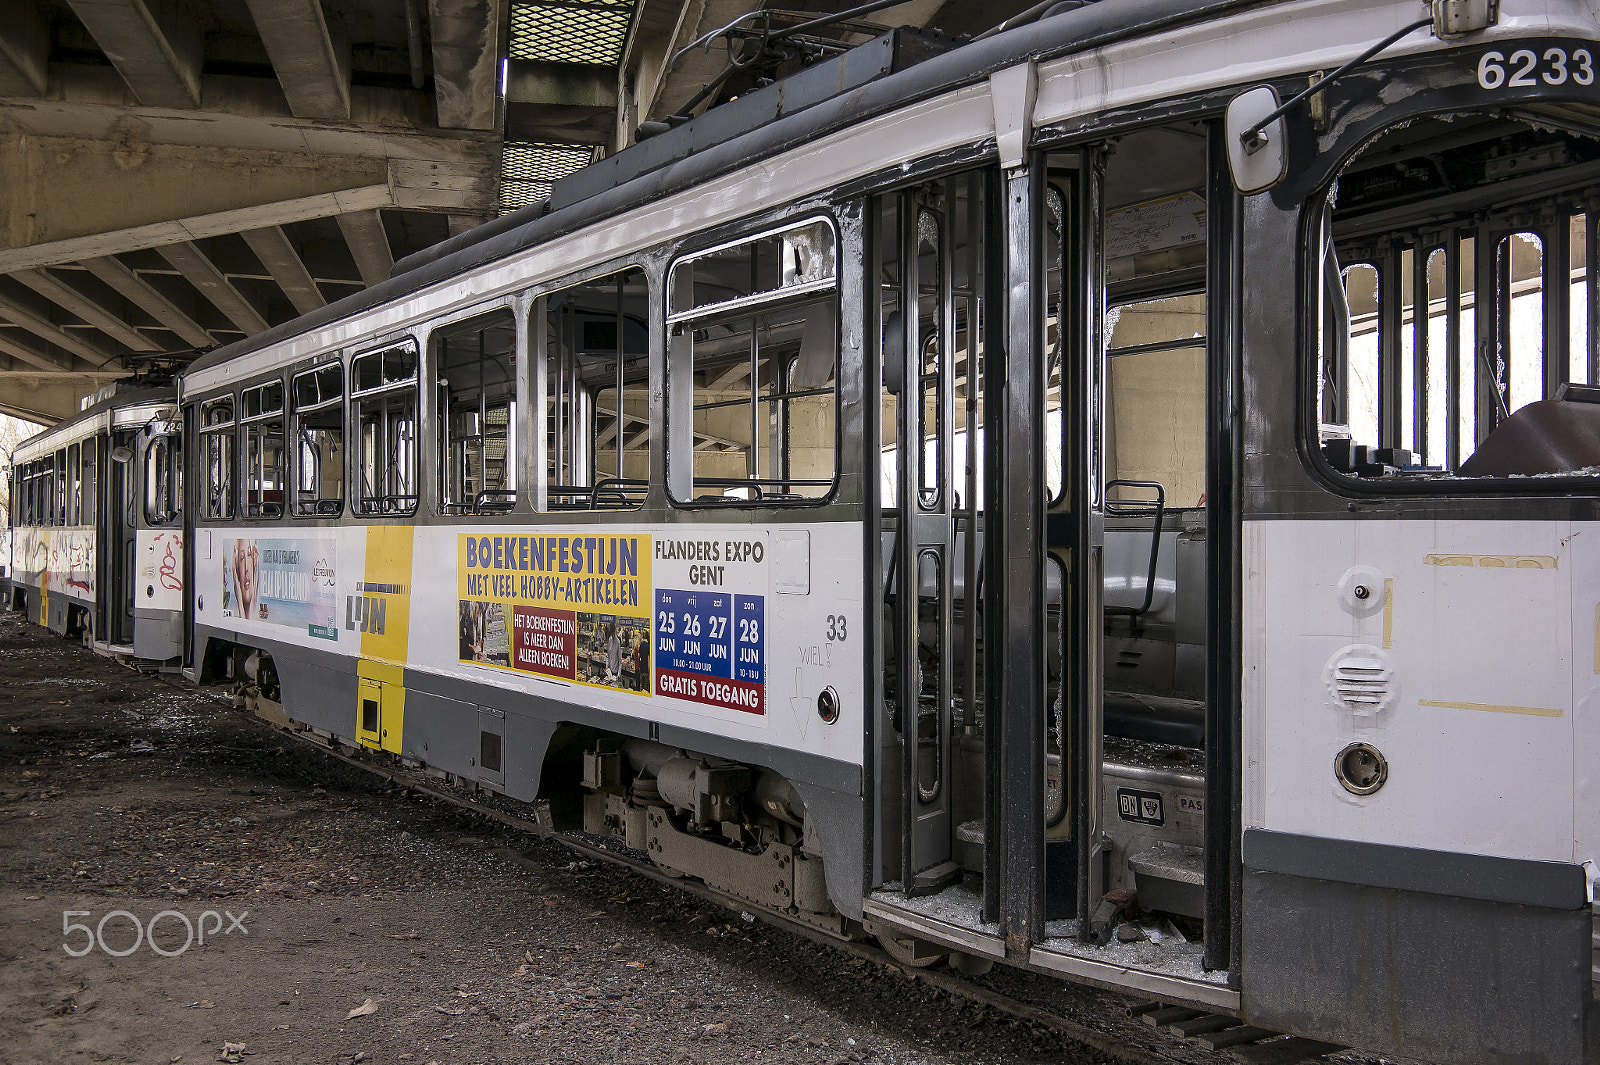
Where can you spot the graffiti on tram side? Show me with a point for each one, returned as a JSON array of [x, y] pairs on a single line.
[[58, 559], [292, 583], [569, 606], [160, 553]]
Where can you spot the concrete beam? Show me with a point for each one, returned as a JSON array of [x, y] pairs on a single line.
[[154, 44], [311, 59], [272, 247], [69, 198], [30, 318], [62, 294], [39, 358], [557, 102], [466, 61], [47, 396], [136, 291], [369, 245], [24, 49], [460, 223], [200, 272], [560, 85], [564, 125]]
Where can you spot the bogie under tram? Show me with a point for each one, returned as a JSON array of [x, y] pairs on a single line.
[[1136, 462]]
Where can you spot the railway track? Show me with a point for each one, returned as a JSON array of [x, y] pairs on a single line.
[[1196, 1036]]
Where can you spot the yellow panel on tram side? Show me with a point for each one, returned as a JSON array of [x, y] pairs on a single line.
[[382, 610], [385, 593], [380, 705]]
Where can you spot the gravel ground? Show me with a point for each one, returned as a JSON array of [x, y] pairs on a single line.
[[355, 920]]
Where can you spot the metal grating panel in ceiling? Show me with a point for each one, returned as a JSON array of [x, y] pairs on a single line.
[[527, 170], [588, 32]]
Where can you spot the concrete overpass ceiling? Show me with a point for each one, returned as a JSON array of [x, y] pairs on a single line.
[[178, 174]]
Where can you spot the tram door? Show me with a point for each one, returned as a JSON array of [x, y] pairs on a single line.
[[117, 535], [929, 262], [1135, 244]]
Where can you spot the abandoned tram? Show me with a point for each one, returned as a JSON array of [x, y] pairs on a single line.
[[967, 494]]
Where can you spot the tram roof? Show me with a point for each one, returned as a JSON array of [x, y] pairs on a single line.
[[1081, 29], [67, 428]]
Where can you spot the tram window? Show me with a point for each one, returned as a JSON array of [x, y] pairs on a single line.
[[1155, 410], [86, 482], [950, 260], [1453, 297], [592, 357], [73, 487], [318, 398], [261, 413], [216, 445], [53, 489], [753, 328], [384, 410], [163, 480], [39, 493], [475, 374], [58, 514]]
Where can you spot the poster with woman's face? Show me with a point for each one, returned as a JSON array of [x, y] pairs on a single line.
[[284, 582]]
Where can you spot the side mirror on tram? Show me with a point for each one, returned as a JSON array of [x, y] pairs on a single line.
[[1257, 155], [121, 454]]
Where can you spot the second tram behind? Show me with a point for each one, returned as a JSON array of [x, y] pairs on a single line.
[[96, 526]]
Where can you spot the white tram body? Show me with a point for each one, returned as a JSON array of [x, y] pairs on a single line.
[[1253, 459], [96, 529]]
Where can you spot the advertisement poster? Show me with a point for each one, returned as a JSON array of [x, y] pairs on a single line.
[[566, 606], [283, 582], [710, 644]]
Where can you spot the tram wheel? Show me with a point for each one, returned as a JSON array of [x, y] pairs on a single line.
[[903, 951]]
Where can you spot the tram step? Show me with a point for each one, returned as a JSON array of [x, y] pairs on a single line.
[[935, 878], [1284, 1051], [1232, 1037], [1171, 877], [1210, 1022]]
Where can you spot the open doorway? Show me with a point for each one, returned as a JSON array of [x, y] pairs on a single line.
[[1091, 814]]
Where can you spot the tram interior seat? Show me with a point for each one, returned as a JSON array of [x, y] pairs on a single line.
[[1154, 665]]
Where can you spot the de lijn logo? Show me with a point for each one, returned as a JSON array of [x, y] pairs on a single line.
[[147, 933], [365, 612]]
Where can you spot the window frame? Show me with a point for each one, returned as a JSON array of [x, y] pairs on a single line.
[[540, 392], [249, 426], [208, 433], [1314, 186], [169, 445], [673, 324], [355, 397], [320, 508], [517, 422]]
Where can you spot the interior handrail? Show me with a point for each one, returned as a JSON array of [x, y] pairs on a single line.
[[1157, 509]]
